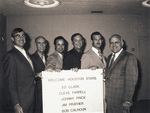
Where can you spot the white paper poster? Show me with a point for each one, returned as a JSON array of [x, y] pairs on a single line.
[[73, 92]]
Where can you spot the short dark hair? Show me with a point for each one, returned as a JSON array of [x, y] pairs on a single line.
[[76, 34], [96, 33], [16, 30], [59, 38], [36, 39]]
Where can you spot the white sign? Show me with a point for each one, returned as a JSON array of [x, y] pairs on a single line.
[[73, 92]]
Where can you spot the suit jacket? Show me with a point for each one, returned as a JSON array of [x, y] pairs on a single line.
[[72, 59], [121, 78], [37, 62], [54, 61], [39, 67], [20, 79], [90, 58]]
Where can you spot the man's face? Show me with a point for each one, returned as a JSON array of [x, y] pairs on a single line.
[[115, 44], [19, 39], [41, 44], [97, 41], [60, 46], [77, 42]]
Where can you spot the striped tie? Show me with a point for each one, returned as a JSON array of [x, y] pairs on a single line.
[[111, 60]]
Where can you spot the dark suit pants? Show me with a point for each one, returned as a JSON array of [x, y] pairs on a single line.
[[113, 109], [39, 105]]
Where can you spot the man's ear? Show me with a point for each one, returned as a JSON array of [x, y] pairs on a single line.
[[83, 40], [122, 43], [12, 39], [46, 42], [72, 43]]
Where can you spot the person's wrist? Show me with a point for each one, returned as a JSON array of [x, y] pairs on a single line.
[[17, 104], [129, 103]]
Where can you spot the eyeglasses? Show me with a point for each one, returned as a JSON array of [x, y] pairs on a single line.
[[20, 36]]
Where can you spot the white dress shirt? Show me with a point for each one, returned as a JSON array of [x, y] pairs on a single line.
[[95, 50], [117, 54]]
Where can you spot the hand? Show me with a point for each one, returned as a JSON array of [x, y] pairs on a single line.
[[126, 105], [57, 69], [39, 75], [18, 108], [93, 67], [49, 70], [75, 69]]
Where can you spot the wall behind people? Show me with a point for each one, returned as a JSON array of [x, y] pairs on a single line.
[[130, 27]]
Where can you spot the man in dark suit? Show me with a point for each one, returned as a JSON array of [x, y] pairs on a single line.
[[93, 58], [121, 77], [72, 59], [55, 60], [19, 74], [39, 62]]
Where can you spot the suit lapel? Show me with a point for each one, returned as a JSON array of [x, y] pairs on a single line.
[[92, 53], [58, 58], [39, 59], [22, 58], [116, 61]]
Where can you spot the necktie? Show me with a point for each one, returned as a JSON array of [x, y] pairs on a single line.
[[111, 60], [43, 59], [102, 58], [100, 54]]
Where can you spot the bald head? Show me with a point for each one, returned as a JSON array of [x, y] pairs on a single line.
[[116, 43]]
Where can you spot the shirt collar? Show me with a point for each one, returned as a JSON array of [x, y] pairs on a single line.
[[117, 54], [61, 56], [95, 50], [20, 49], [41, 55]]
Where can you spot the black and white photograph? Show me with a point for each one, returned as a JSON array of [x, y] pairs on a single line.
[[74, 56]]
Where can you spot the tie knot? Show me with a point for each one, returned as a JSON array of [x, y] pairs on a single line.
[[113, 55], [99, 51]]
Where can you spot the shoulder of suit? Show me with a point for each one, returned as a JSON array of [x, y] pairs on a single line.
[[89, 51], [11, 54], [54, 54], [70, 51], [127, 53], [68, 55], [34, 55], [130, 55]]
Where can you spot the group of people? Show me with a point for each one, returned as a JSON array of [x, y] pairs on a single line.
[[23, 71]]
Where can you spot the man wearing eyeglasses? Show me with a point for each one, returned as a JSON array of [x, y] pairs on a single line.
[[19, 74]]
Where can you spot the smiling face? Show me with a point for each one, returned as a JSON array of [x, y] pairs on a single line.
[[19, 39], [60, 45], [41, 44], [97, 41], [116, 44], [77, 42]]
